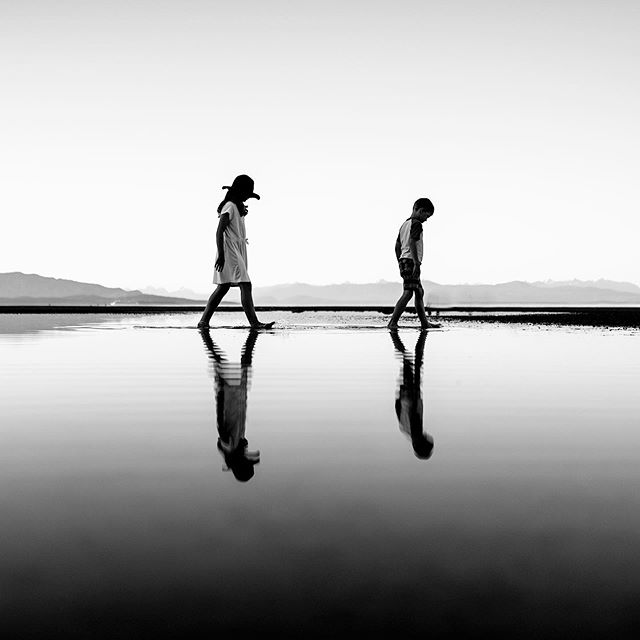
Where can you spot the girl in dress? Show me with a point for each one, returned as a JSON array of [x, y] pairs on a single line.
[[231, 261]]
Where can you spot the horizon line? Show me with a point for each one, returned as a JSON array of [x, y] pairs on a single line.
[[332, 284]]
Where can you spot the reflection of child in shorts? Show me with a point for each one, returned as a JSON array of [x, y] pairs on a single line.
[[409, 250], [409, 408]]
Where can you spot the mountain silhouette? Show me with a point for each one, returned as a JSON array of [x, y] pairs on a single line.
[[29, 288], [507, 293], [24, 289]]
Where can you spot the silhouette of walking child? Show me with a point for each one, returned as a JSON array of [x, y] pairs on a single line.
[[231, 381], [231, 261], [409, 250], [409, 408]]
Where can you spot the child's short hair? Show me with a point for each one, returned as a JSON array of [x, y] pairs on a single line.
[[423, 203]]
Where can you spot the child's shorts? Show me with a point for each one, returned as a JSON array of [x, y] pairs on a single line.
[[410, 282]]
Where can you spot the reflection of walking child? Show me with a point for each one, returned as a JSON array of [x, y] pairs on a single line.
[[409, 250], [232, 386], [409, 408], [231, 261]]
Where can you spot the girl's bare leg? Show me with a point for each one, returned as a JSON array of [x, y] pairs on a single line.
[[214, 300], [246, 297]]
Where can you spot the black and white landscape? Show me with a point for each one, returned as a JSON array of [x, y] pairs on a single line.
[[25, 289], [323, 465]]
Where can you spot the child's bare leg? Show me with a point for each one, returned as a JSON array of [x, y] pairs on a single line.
[[214, 300], [246, 297], [401, 305], [424, 320], [422, 315]]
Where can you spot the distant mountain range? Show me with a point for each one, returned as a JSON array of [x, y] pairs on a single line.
[[23, 289], [507, 293], [183, 292], [30, 289]]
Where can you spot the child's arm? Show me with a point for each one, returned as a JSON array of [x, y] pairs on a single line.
[[413, 248], [222, 225], [414, 237], [398, 247]]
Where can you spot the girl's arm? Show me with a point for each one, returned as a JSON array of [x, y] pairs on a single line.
[[222, 225]]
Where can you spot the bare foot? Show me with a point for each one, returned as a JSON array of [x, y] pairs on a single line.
[[430, 325], [263, 325], [203, 325], [393, 326]]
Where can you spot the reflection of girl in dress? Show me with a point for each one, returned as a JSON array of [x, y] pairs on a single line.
[[231, 261], [232, 386]]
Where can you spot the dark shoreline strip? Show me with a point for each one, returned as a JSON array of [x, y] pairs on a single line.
[[587, 316]]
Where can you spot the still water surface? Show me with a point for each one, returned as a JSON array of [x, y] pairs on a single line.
[[480, 478]]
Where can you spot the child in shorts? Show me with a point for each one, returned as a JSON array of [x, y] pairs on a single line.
[[409, 250]]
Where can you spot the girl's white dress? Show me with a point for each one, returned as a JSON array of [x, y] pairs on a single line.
[[235, 249]]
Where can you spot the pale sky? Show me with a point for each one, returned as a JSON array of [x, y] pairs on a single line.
[[121, 120]]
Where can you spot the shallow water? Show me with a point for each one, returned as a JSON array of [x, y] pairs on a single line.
[[120, 520]]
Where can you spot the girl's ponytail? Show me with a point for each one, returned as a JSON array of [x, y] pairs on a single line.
[[233, 196]]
